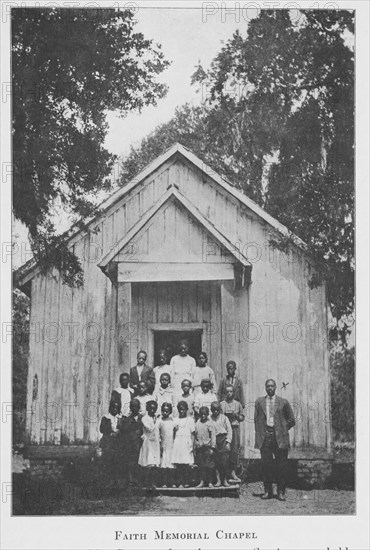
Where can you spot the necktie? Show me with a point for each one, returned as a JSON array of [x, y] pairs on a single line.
[[271, 413]]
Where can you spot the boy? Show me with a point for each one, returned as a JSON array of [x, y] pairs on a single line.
[[163, 393], [205, 397], [205, 445], [109, 443], [233, 410], [143, 397], [235, 381], [224, 435], [141, 372], [123, 394], [163, 367], [131, 429]]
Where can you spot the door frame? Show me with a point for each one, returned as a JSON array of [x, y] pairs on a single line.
[[183, 327]]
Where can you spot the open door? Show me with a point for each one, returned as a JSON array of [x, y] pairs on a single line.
[[170, 339]]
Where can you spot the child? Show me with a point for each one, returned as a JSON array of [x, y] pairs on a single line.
[[143, 397], [233, 379], [205, 397], [163, 367], [109, 443], [224, 436], [141, 372], [150, 450], [182, 453], [131, 429], [234, 412], [187, 396], [202, 372], [123, 394], [205, 444], [164, 393], [166, 442]]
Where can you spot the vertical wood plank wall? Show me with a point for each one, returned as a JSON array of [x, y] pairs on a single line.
[[278, 329]]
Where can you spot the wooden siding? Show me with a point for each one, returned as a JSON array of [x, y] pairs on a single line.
[[177, 303], [173, 235], [275, 328]]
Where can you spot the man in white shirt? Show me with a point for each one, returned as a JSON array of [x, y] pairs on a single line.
[[273, 418]]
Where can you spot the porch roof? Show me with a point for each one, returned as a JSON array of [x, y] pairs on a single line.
[[173, 194]]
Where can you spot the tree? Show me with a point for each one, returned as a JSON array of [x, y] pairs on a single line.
[[20, 342], [69, 67], [188, 126], [296, 102], [342, 371], [278, 122]]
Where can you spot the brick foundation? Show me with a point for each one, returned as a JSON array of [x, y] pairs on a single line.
[[304, 474], [314, 473], [309, 474]]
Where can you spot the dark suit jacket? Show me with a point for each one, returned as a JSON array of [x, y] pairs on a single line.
[[283, 421], [238, 390], [147, 376]]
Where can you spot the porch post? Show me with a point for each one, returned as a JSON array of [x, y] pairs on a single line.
[[125, 328], [230, 329]]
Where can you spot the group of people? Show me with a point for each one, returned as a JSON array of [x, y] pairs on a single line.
[[168, 419], [163, 422]]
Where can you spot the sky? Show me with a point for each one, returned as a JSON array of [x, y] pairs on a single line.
[[187, 36]]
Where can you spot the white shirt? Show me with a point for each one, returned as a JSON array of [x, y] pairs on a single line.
[[125, 394], [143, 401], [201, 373], [270, 410], [183, 369], [139, 370], [113, 420]]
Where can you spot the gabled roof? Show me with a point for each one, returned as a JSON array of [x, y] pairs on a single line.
[[25, 273], [173, 193]]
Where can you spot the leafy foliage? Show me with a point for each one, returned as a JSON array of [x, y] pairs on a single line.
[[278, 122], [71, 66], [189, 126], [20, 315], [342, 370]]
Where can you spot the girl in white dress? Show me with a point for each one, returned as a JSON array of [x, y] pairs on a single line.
[[183, 366], [202, 372], [182, 453], [166, 443], [150, 450], [186, 395]]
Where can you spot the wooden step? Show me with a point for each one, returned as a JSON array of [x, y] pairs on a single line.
[[182, 491]]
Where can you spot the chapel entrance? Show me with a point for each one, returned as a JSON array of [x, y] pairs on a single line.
[[170, 339]]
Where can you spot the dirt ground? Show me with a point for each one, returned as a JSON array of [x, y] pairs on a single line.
[[64, 498]]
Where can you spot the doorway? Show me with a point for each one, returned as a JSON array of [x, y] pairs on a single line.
[[170, 339]]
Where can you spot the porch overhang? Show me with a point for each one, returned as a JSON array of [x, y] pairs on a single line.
[[142, 272], [210, 265]]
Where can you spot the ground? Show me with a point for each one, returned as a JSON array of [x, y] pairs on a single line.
[[53, 497], [80, 490]]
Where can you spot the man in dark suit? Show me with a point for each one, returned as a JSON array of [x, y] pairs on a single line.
[[142, 373], [273, 418]]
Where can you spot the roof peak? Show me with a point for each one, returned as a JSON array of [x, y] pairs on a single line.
[[27, 271]]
